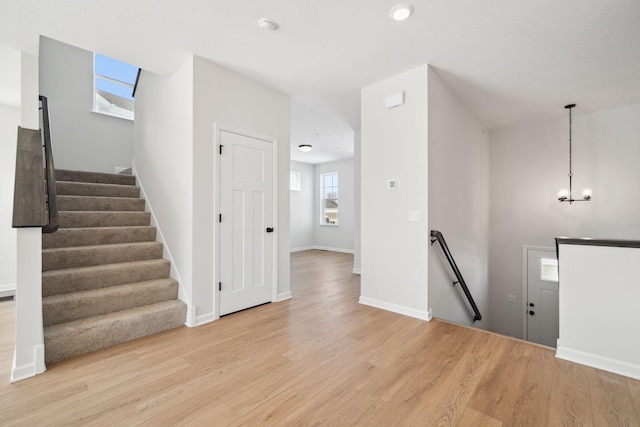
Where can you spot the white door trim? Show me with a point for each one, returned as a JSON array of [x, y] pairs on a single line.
[[525, 284], [218, 128]]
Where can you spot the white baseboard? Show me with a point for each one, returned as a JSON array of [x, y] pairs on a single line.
[[395, 308], [28, 370], [326, 248], [304, 248], [600, 362], [205, 318], [283, 296], [321, 248], [191, 317], [356, 271], [7, 290]]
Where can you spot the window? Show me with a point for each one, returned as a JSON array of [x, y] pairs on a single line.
[[329, 200], [294, 181], [549, 269], [113, 81]]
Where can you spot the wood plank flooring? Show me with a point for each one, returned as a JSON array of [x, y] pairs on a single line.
[[317, 359]]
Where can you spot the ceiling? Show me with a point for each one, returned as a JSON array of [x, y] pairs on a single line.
[[509, 61]]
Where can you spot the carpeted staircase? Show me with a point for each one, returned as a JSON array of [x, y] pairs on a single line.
[[104, 280]]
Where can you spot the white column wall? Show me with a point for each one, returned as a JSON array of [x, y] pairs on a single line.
[[394, 146]]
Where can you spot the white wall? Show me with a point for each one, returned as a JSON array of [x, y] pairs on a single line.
[[598, 297], [28, 357], [163, 163], [10, 118], [329, 237], [529, 163], [9, 122], [81, 139], [394, 145], [356, 199], [302, 210], [225, 97], [458, 205]]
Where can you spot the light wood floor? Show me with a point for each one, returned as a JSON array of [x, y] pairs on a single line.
[[318, 359]]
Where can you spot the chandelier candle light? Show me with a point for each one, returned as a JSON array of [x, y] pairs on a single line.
[[563, 194]]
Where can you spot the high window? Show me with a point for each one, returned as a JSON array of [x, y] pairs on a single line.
[[113, 82], [329, 200]]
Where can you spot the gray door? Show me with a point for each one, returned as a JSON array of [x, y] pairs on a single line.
[[542, 297]]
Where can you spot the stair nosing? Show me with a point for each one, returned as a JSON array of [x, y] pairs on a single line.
[[99, 290], [176, 301], [60, 271], [109, 245]]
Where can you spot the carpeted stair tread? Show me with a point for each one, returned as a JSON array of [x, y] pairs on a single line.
[[70, 188], [89, 236], [95, 177], [57, 309], [82, 336], [95, 203], [84, 256], [69, 280], [82, 219]]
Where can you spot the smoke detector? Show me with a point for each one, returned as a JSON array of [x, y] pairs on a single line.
[[267, 24]]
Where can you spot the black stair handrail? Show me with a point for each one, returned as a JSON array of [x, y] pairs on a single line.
[[447, 253], [52, 195]]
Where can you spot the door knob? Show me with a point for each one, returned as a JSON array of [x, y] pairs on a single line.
[[531, 312], [269, 230]]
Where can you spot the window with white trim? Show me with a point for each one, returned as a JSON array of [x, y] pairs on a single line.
[[113, 87], [329, 201]]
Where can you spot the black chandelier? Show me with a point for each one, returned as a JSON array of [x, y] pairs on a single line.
[[563, 194]]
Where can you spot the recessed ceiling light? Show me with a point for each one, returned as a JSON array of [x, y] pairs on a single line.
[[401, 11], [305, 147]]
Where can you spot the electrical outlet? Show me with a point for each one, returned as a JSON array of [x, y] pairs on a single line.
[[511, 298]]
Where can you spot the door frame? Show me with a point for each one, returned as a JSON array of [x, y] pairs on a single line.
[[525, 283], [218, 128]]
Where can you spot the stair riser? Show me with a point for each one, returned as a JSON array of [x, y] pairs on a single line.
[[80, 305], [101, 190], [62, 258], [81, 203], [102, 178], [66, 281], [103, 219], [68, 237], [71, 339]]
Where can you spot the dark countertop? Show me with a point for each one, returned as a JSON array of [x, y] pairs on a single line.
[[597, 242]]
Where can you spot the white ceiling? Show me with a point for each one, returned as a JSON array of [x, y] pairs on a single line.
[[509, 61]]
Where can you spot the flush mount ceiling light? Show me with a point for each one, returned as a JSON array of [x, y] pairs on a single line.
[[305, 147], [267, 24], [401, 11], [563, 194]]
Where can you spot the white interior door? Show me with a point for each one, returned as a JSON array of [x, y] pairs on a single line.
[[246, 222], [542, 297]]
